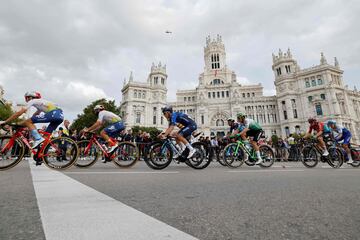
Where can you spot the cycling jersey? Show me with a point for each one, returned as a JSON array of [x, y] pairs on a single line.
[[320, 126], [178, 118], [184, 122], [42, 105], [108, 117], [345, 134], [252, 124]]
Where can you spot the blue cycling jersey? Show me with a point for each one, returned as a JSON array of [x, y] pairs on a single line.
[[181, 118], [234, 127]]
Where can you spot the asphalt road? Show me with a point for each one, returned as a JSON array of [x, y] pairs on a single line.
[[289, 202]]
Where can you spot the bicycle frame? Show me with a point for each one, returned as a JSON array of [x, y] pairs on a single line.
[[19, 135], [240, 144], [94, 140]]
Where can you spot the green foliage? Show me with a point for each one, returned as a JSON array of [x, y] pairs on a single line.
[[88, 117], [5, 111], [151, 130]]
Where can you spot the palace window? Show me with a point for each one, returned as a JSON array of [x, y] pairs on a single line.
[[218, 94], [313, 82], [215, 61], [295, 113], [323, 97], [310, 98], [202, 119], [219, 123], [184, 99], [227, 93], [253, 94], [248, 94], [138, 117], [209, 94], [162, 81], [319, 80], [285, 115], [244, 95], [193, 98], [318, 109], [222, 94], [307, 83], [213, 94], [156, 80], [154, 120]]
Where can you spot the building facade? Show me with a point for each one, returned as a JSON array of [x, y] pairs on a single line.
[[300, 93]]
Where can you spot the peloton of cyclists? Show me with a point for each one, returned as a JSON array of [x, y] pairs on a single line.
[[188, 126], [112, 131], [249, 128], [46, 112], [320, 129], [341, 133]]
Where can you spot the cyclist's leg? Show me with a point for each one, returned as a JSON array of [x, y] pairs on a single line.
[[110, 132], [323, 145], [54, 118], [346, 136], [183, 134]]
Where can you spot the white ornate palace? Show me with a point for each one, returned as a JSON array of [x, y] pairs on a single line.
[[300, 93]]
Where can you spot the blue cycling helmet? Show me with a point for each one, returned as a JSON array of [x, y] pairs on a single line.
[[331, 122], [167, 109]]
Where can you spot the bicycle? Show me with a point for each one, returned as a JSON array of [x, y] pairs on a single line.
[[160, 154], [124, 156], [56, 153], [312, 150], [235, 154], [355, 154]]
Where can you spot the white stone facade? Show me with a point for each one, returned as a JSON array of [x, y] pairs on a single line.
[[300, 93]]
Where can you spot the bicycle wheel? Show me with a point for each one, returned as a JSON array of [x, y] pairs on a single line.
[[231, 158], [88, 155], [267, 156], [11, 152], [310, 158], [60, 153], [220, 158], [355, 157], [335, 158], [126, 155], [201, 159], [160, 156]]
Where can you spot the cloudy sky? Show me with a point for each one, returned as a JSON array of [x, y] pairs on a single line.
[[76, 51]]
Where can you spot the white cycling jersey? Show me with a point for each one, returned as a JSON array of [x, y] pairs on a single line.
[[108, 117], [42, 105]]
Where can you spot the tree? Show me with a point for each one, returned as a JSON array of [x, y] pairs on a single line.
[[5, 111], [151, 130], [88, 117]]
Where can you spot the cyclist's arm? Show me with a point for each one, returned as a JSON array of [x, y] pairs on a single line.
[[15, 115], [95, 126], [36, 113], [307, 135], [319, 134], [244, 131], [169, 130]]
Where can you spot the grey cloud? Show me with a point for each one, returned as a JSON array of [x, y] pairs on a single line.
[[76, 51]]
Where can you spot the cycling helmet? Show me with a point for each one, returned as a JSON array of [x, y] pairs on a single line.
[[32, 95], [99, 108], [240, 115], [231, 120], [167, 109], [331, 122], [312, 120]]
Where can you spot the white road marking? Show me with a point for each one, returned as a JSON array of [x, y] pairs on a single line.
[[262, 171], [72, 210], [120, 172]]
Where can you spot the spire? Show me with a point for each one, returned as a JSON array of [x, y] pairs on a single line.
[[131, 78], [336, 63], [289, 53], [124, 83], [280, 53], [323, 59]]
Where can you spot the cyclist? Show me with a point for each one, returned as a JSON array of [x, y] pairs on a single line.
[[232, 124], [342, 134], [250, 128], [46, 112], [320, 129], [188, 124], [113, 130]]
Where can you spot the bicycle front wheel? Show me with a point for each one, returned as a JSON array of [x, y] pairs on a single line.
[[310, 158], [126, 155], [159, 156], [11, 152], [88, 154], [267, 156], [60, 153], [335, 158], [232, 158]]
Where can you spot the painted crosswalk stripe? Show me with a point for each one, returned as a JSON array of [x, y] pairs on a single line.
[[72, 210]]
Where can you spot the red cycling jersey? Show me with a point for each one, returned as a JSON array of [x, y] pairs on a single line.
[[318, 127]]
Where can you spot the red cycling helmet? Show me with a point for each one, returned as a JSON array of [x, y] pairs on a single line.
[[32, 95]]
